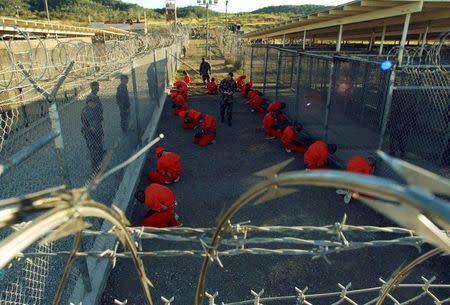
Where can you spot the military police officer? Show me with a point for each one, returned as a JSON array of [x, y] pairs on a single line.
[[123, 101], [227, 88], [92, 128]]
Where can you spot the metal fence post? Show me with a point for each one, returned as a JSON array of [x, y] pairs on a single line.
[[251, 64], [167, 68], [136, 101], [156, 78], [292, 72], [265, 69], [278, 73], [387, 107], [328, 105], [297, 90]]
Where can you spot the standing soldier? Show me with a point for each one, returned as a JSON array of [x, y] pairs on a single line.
[[227, 88], [91, 126], [123, 101], [205, 70]]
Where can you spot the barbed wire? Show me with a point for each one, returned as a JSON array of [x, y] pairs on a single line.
[[46, 59]]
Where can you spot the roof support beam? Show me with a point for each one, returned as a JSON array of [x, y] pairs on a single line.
[[383, 34], [304, 40], [424, 40], [403, 40], [339, 39], [373, 15]]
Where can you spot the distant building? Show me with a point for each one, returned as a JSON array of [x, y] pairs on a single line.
[[171, 11]]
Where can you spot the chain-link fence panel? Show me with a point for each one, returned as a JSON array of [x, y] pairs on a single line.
[[418, 124], [258, 65], [286, 82], [313, 84], [82, 91], [357, 102]]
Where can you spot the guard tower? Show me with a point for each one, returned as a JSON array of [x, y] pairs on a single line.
[[171, 11]]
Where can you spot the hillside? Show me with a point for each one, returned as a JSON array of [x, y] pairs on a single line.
[[304, 9], [79, 12], [76, 10]]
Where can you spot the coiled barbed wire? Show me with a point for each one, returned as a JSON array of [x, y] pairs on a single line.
[[46, 58]]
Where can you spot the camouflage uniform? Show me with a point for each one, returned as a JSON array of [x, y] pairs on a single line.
[[123, 101], [226, 103], [92, 130]]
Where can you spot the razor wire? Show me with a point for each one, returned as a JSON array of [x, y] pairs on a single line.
[[64, 212], [242, 235], [345, 295]]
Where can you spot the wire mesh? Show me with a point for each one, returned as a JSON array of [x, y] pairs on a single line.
[[419, 118], [344, 99], [95, 127]]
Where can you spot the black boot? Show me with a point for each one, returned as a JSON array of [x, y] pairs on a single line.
[[229, 123]]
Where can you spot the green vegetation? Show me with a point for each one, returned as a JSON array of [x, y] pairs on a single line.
[[305, 9], [79, 11], [76, 10]]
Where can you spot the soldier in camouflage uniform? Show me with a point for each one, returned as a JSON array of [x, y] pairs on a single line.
[[92, 128], [123, 101], [227, 88]]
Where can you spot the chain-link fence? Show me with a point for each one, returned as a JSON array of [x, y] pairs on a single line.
[[351, 101], [70, 109]]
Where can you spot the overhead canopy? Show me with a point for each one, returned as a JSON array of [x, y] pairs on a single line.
[[362, 18], [12, 25]]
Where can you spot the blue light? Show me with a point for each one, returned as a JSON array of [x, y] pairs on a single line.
[[386, 65]]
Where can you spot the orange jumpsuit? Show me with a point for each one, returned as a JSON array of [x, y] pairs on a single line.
[[288, 139], [168, 169], [212, 88], [269, 122], [209, 127], [256, 103], [179, 104], [187, 79], [275, 105], [240, 81], [246, 88], [156, 196], [359, 165], [252, 93], [181, 88], [316, 156], [192, 119]]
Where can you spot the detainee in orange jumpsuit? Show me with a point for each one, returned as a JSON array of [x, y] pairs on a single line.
[[168, 167], [179, 104], [360, 165], [272, 126], [316, 157], [252, 93], [205, 133], [246, 88], [186, 78], [181, 88], [289, 139], [257, 103], [276, 105], [240, 81], [161, 201], [212, 87], [191, 118]]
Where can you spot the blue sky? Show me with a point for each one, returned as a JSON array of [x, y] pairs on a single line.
[[237, 5]]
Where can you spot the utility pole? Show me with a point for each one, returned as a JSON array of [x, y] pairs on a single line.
[[207, 3], [226, 13], [46, 9]]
